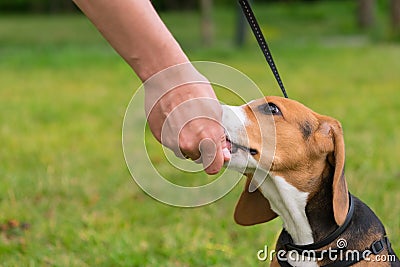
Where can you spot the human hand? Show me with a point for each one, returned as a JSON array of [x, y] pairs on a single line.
[[187, 120], [130, 27]]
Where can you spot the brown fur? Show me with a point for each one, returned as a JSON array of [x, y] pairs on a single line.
[[300, 160], [310, 155]]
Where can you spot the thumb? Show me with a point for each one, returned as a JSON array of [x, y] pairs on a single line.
[[212, 155]]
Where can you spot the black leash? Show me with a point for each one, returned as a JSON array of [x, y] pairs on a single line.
[[251, 19]]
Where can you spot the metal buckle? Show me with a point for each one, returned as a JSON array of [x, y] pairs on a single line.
[[377, 247]]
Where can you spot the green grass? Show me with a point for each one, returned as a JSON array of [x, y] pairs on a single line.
[[62, 100]]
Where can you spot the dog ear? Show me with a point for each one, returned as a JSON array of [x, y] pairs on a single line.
[[333, 133], [252, 207]]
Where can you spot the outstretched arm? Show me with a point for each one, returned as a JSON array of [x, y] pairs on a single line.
[[136, 32]]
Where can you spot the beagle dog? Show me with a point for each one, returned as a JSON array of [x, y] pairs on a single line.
[[294, 162]]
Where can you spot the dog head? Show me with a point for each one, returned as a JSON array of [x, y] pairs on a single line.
[[282, 137]]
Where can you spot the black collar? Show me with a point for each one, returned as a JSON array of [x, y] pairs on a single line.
[[376, 247], [288, 241]]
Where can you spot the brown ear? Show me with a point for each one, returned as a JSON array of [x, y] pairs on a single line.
[[332, 129], [252, 207]]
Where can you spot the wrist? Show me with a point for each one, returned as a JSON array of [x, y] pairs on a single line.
[[171, 78], [163, 54]]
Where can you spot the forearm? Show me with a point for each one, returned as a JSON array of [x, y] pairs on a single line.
[[135, 31]]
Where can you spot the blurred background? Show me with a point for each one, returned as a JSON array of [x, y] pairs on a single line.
[[367, 14], [66, 196]]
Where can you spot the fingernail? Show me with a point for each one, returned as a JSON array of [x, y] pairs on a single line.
[[227, 154]]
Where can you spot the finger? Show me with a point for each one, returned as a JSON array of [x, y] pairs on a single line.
[[218, 162], [211, 155], [187, 123], [188, 146], [208, 150], [193, 155]]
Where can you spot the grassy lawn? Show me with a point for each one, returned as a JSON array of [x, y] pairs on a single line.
[[66, 196]]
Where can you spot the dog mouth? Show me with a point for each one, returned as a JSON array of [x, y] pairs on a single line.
[[234, 148]]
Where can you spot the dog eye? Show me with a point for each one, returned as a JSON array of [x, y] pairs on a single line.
[[271, 108]]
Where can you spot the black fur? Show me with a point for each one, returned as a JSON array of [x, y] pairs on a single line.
[[306, 130]]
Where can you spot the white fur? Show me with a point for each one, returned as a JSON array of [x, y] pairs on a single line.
[[290, 204], [285, 199], [234, 120], [234, 117]]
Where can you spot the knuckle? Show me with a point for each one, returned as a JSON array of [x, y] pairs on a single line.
[[213, 131], [186, 144]]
